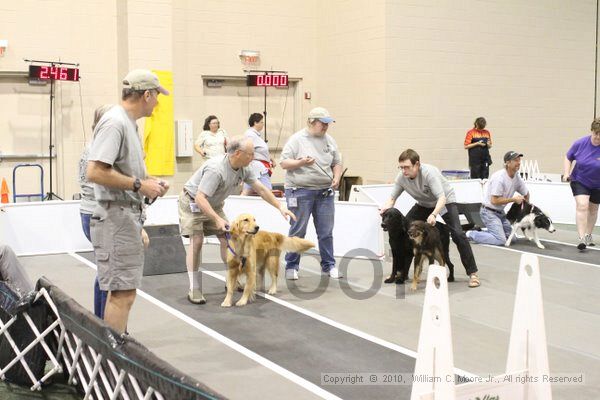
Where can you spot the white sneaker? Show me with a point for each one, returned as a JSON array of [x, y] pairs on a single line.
[[334, 273], [589, 240], [195, 296], [291, 274]]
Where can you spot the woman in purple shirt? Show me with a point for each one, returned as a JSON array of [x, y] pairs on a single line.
[[582, 168]]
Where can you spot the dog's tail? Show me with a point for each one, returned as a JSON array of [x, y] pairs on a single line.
[[296, 244]]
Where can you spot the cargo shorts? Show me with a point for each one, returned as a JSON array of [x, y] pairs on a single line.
[[194, 222], [116, 230]]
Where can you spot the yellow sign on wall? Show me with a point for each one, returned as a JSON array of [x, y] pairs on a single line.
[[159, 131]]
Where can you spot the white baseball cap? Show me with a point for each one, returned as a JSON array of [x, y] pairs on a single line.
[[142, 79], [321, 114]]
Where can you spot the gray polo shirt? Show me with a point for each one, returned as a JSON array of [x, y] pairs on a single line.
[[261, 149], [325, 152], [117, 143], [217, 180], [88, 201], [502, 185], [427, 187]]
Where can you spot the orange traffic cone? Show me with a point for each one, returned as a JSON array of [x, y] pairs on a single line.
[[4, 192]]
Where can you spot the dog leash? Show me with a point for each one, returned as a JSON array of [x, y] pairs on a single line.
[[228, 238]]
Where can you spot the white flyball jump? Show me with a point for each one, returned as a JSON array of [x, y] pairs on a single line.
[[527, 361]]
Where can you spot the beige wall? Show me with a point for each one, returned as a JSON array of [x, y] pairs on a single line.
[[55, 31], [207, 39], [395, 74], [352, 81], [526, 66]]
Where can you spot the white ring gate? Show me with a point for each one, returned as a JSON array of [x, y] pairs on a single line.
[[527, 359]]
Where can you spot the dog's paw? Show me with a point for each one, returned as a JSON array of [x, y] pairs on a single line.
[[541, 246], [390, 279], [450, 278], [226, 304], [400, 280], [272, 291], [241, 302], [413, 287], [507, 244]]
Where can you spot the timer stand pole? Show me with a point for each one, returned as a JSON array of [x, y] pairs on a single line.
[[265, 113], [53, 64], [248, 82], [51, 195]]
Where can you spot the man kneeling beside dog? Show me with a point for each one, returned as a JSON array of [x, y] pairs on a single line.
[[522, 215]]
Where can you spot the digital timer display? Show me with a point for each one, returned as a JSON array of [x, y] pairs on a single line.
[[273, 80], [47, 72]]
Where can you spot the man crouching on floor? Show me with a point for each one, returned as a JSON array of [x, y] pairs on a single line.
[[202, 199], [500, 191]]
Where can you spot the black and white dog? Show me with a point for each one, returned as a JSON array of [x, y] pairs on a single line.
[[528, 218], [397, 226]]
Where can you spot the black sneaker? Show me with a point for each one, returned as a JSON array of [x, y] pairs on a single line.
[[581, 245]]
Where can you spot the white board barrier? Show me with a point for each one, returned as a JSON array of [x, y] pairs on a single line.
[[55, 226], [527, 353], [554, 198]]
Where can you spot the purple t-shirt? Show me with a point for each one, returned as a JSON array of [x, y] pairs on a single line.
[[587, 167]]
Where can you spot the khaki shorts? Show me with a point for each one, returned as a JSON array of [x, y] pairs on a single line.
[[116, 231], [195, 222]]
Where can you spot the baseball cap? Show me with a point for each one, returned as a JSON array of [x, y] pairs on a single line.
[[321, 114], [142, 79], [511, 155]]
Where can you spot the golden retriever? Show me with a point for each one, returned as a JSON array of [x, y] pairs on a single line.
[[427, 247], [253, 252]]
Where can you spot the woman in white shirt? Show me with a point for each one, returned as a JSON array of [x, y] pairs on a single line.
[[262, 163], [212, 141]]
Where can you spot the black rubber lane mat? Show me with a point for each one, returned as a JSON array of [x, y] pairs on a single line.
[[302, 345]]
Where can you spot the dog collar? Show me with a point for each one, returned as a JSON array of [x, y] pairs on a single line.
[[227, 238]]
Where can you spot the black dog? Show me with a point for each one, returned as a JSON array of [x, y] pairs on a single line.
[[529, 219], [397, 226]]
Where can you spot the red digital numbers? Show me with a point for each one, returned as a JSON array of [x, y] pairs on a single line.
[[268, 80], [44, 72], [47, 72]]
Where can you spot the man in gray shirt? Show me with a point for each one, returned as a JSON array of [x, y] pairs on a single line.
[[500, 191], [201, 204], [116, 167], [434, 197]]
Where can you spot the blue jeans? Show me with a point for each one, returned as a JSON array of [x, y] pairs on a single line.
[[319, 204], [498, 228], [99, 295], [85, 224]]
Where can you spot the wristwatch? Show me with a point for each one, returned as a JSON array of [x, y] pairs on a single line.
[[137, 184]]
